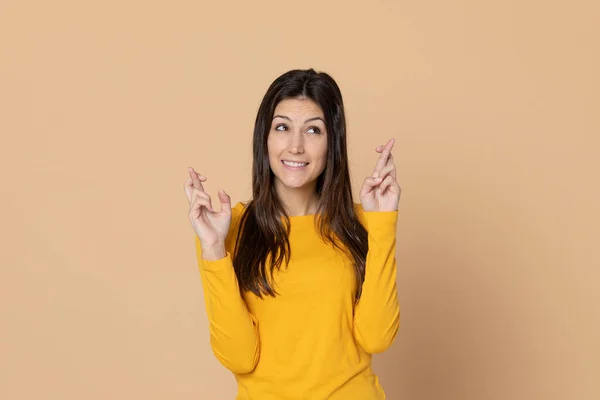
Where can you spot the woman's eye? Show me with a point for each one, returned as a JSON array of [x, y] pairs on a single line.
[[314, 129], [281, 128]]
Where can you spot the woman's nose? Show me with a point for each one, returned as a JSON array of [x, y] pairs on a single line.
[[297, 143]]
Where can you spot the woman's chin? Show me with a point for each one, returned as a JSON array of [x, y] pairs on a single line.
[[291, 184]]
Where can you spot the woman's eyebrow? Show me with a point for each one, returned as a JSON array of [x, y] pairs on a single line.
[[308, 120], [314, 119]]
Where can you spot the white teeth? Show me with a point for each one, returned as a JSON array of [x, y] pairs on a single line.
[[294, 164]]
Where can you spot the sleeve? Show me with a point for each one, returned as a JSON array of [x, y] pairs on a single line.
[[233, 329], [377, 313]]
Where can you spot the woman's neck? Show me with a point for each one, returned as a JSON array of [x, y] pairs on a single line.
[[298, 201]]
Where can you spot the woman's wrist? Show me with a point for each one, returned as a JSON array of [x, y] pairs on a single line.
[[214, 252]]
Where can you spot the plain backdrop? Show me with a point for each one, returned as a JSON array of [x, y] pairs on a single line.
[[494, 106]]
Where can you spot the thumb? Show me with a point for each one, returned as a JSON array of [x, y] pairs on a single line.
[[225, 201]]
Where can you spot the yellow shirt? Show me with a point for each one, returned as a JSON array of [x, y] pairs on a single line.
[[311, 342]]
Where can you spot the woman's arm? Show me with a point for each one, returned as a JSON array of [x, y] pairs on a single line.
[[377, 313], [233, 330]]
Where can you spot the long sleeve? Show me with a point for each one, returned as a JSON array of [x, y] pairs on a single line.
[[377, 314], [233, 330]]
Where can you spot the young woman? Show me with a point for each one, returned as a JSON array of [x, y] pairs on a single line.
[[300, 282]]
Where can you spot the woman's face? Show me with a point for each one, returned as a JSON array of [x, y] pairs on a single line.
[[297, 143]]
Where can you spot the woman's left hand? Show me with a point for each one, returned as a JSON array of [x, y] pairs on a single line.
[[380, 191]]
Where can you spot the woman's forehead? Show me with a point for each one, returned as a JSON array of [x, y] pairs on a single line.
[[298, 107]]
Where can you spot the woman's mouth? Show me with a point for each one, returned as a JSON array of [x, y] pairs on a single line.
[[294, 164]]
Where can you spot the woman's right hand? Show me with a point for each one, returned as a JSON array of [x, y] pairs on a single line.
[[210, 226]]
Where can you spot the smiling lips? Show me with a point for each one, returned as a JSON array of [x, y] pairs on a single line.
[[294, 164]]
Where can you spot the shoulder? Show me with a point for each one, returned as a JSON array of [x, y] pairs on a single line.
[[359, 212], [358, 208], [237, 211], [238, 208]]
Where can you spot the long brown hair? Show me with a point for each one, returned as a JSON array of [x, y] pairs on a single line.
[[262, 240]]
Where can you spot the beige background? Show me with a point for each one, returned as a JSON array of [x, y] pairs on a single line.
[[494, 105]]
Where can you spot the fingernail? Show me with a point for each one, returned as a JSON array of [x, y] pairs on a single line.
[[377, 179]]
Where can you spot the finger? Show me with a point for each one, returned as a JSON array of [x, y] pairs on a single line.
[[369, 184], [199, 195], [225, 201], [387, 182], [383, 158], [390, 159], [197, 179], [194, 211], [388, 170], [188, 187], [197, 205]]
